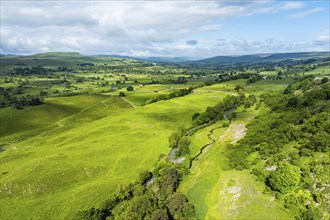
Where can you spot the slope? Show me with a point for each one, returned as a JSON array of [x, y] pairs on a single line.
[[64, 169]]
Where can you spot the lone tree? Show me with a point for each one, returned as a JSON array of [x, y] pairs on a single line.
[[239, 87], [121, 94], [130, 88]]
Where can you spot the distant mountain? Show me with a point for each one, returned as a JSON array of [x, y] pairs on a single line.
[[263, 58], [165, 59], [114, 56], [58, 54]]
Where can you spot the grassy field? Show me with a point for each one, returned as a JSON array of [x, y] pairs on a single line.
[[219, 192], [77, 159], [56, 111], [262, 86]]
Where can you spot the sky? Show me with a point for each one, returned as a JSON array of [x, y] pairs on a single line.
[[195, 29]]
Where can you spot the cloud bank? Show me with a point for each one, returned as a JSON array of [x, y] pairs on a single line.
[[139, 28]]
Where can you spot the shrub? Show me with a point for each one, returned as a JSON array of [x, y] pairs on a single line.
[[285, 178], [130, 88]]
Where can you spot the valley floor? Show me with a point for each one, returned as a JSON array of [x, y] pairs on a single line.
[[218, 191]]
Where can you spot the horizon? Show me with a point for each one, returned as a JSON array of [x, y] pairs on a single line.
[[133, 57], [189, 29]]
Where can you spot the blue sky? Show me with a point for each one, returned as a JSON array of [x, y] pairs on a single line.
[[194, 29]]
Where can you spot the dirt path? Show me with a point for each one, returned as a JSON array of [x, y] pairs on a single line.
[[129, 102], [105, 104], [83, 110]]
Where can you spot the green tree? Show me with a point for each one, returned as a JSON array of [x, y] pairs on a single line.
[[239, 87], [137, 208], [130, 88], [159, 214], [285, 178], [183, 146]]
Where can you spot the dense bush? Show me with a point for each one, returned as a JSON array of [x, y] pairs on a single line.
[[157, 201], [229, 103], [289, 139], [174, 94], [130, 88], [285, 178]]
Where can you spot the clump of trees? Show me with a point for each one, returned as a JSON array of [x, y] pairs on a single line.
[[253, 79], [12, 97], [219, 111], [37, 70], [180, 141], [174, 94], [290, 147], [152, 196], [19, 103]]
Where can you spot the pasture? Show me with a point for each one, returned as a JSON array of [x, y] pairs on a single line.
[[80, 157]]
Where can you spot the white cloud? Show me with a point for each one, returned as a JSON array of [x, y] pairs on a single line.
[[306, 13], [292, 5], [210, 27], [134, 28]]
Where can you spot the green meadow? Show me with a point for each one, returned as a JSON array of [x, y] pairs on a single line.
[[74, 152]]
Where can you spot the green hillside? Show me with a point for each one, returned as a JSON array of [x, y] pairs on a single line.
[[97, 137]]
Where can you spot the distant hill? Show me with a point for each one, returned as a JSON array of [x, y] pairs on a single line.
[[165, 59], [59, 59], [58, 54], [276, 57]]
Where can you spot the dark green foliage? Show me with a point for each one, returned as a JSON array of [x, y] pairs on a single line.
[[229, 103], [303, 85], [250, 101], [110, 203], [291, 137], [325, 80], [174, 94], [195, 115], [144, 176], [137, 208], [92, 214], [238, 159], [125, 192], [178, 207], [174, 138], [183, 146], [159, 214], [169, 180], [37, 70], [239, 87], [253, 79], [26, 101], [130, 88], [209, 83], [292, 102], [285, 178], [137, 201], [122, 94]]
